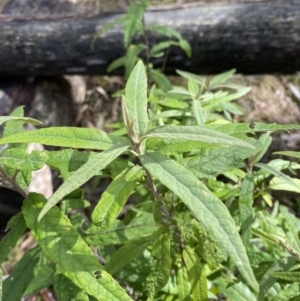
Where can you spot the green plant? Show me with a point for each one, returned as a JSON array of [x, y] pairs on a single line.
[[179, 238], [134, 24]]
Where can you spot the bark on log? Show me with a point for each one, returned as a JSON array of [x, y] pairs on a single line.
[[254, 38]]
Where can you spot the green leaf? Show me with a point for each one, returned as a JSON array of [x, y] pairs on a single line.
[[159, 47], [288, 293], [194, 77], [126, 254], [207, 208], [115, 196], [289, 153], [132, 20], [183, 283], [245, 206], [291, 223], [65, 290], [196, 274], [210, 162], [268, 280], [15, 285], [63, 245], [21, 159], [277, 173], [14, 126], [136, 98], [67, 137], [18, 227], [195, 133], [243, 128], [221, 78], [84, 173], [22, 119], [266, 141], [131, 57], [116, 64], [159, 277], [287, 276], [223, 97], [42, 279], [160, 80], [119, 233], [238, 291], [280, 184]]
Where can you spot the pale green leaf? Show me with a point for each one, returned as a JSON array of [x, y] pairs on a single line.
[[287, 276], [136, 99], [15, 285], [132, 20], [210, 162], [207, 208], [171, 113], [245, 206], [291, 223], [21, 159], [195, 133], [119, 233], [159, 277], [65, 290], [126, 254], [131, 57], [18, 227], [266, 141], [280, 184], [289, 153], [225, 97], [115, 196], [238, 291], [22, 119], [188, 75], [160, 80], [221, 78], [116, 64], [159, 47], [277, 173], [268, 280], [14, 126], [183, 283], [288, 293], [63, 245], [196, 274], [242, 128], [84, 173], [67, 137]]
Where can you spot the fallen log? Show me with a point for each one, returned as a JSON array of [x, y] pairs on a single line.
[[254, 38]]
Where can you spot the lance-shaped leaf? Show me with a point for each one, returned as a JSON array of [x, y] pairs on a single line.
[[159, 277], [126, 254], [115, 196], [67, 137], [18, 227], [120, 233], [206, 207], [196, 274], [84, 173], [245, 206], [21, 159], [136, 99], [22, 119], [64, 246], [195, 133], [15, 285]]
